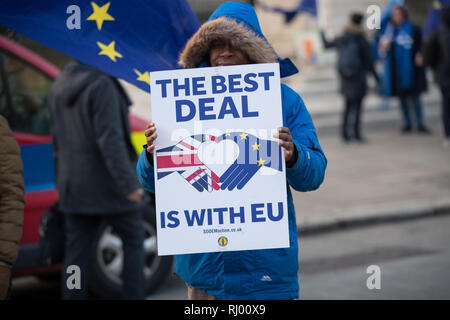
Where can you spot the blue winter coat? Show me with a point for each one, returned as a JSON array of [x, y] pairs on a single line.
[[257, 274], [401, 76]]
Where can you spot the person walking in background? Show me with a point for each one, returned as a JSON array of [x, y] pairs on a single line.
[[95, 172], [437, 56], [354, 61], [404, 73], [12, 203]]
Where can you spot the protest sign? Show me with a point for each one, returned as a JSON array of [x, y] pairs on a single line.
[[219, 174]]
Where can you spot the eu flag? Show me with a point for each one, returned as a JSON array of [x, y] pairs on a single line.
[[433, 20], [308, 6], [126, 39]]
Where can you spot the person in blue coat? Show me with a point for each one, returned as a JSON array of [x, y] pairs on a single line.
[[232, 36], [404, 72]]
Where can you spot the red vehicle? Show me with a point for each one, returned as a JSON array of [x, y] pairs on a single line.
[[25, 82]]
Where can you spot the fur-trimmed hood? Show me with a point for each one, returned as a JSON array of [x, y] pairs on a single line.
[[238, 24], [198, 47]]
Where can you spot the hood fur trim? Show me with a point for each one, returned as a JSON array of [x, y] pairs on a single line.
[[355, 29], [240, 36]]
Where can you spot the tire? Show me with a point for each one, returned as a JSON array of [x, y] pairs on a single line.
[[105, 279]]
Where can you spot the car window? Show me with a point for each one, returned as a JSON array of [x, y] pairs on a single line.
[[24, 95]]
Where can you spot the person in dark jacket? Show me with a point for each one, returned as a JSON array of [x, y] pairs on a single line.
[[95, 172], [354, 61], [404, 73], [437, 56]]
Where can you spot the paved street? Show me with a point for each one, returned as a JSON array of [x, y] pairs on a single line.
[[392, 174], [413, 256]]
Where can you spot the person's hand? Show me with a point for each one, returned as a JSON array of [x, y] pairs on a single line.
[[285, 141], [383, 45], [150, 134], [136, 196], [418, 60], [5, 274]]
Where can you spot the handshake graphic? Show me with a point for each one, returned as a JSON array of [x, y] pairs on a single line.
[[184, 158]]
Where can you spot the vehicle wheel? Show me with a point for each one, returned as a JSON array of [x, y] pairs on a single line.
[[105, 278]]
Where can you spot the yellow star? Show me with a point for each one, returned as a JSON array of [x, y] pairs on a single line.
[[243, 136], [255, 146], [227, 134], [144, 77], [108, 50], [437, 5], [100, 14], [261, 162]]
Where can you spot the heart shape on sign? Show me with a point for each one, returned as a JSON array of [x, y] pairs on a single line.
[[218, 156]]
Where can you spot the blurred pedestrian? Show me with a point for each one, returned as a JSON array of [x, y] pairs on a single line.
[[404, 73], [232, 36], [354, 61], [437, 56], [95, 172], [12, 203]]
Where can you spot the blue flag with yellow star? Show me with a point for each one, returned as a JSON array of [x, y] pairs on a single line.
[[126, 39], [433, 20], [308, 6], [254, 153]]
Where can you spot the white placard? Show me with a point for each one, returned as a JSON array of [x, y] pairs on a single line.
[[219, 174]]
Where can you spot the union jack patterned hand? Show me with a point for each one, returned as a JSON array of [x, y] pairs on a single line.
[[253, 154], [182, 158]]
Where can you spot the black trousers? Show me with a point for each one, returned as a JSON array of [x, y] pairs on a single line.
[[351, 120], [446, 112], [80, 231]]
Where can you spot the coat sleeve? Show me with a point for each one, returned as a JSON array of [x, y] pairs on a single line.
[[145, 172], [431, 50], [417, 40], [308, 171], [445, 50], [12, 197], [328, 44], [368, 59], [110, 136]]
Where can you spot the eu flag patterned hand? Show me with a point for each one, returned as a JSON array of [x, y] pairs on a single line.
[[253, 154]]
